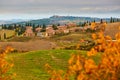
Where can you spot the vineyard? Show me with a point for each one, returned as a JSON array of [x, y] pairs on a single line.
[[6, 34]]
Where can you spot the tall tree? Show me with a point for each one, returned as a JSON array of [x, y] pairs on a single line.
[[111, 20], [4, 35], [33, 26], [54, 27], [101, 21], [58, 24], [43, 28]]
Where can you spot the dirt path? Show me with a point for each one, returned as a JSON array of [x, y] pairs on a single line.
[[30, 46]]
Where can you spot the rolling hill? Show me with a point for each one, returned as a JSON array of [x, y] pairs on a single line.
[[112, 29], [62, 20]]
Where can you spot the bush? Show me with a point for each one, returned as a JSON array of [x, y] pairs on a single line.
[[85, 68], [5, 65]]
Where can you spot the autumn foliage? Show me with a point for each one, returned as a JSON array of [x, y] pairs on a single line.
[[85, 68], [5, 65]]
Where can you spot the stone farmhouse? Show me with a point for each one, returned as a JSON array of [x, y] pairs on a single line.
[[38, 29], [29, 32], [71, 24], [62, 29], [49, 32]]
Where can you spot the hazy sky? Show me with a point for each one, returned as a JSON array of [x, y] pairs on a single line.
[[13, 9]]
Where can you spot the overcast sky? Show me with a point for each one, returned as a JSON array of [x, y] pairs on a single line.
[[33, 9]]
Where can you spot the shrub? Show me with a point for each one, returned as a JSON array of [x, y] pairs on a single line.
[[5, 65], [85, 68]]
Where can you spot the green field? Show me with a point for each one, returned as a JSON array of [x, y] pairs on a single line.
[[30, 65]]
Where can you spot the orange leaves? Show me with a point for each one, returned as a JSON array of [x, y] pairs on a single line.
[[108, 38], [70, 61], [81, 76], [93, 25], [55, 75], [92, 52], [75, 63], [9, 49], [4, 65], [117, 36], [89, 65], [84, 68], [94, 36]]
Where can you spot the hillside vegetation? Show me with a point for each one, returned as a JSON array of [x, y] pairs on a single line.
[[31, 65]]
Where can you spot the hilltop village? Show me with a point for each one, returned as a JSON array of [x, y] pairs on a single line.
[[31, 30]]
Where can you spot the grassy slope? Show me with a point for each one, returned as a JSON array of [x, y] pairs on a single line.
[[71, 39], [30, 65]]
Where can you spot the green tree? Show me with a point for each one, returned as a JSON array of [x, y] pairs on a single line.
[[111, 20], [101, 21], [33, 26], [4, 26], [58, 24], [4, 35], [43, 28], [54, 27]]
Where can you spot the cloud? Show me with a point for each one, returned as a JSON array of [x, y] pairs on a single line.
[[59, 6]]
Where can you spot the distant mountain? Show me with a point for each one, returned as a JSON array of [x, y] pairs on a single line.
[[59, 20], [66, 19], [12, 21], [63, 20]]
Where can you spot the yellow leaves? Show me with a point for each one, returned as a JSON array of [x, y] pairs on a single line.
[[116, 63], [47, 65], [105, 61], [92, 52], [93, 25], [94, 36], [75, 63], [85, 68], [89, 65], [71, 59], [108, 38], [4, 65], [101, 35], [117, 36], [9, 49], [57, 75], [81, 76]]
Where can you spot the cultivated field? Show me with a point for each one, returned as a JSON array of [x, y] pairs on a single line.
[[31, 45], [8, 33], [112, 28]]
